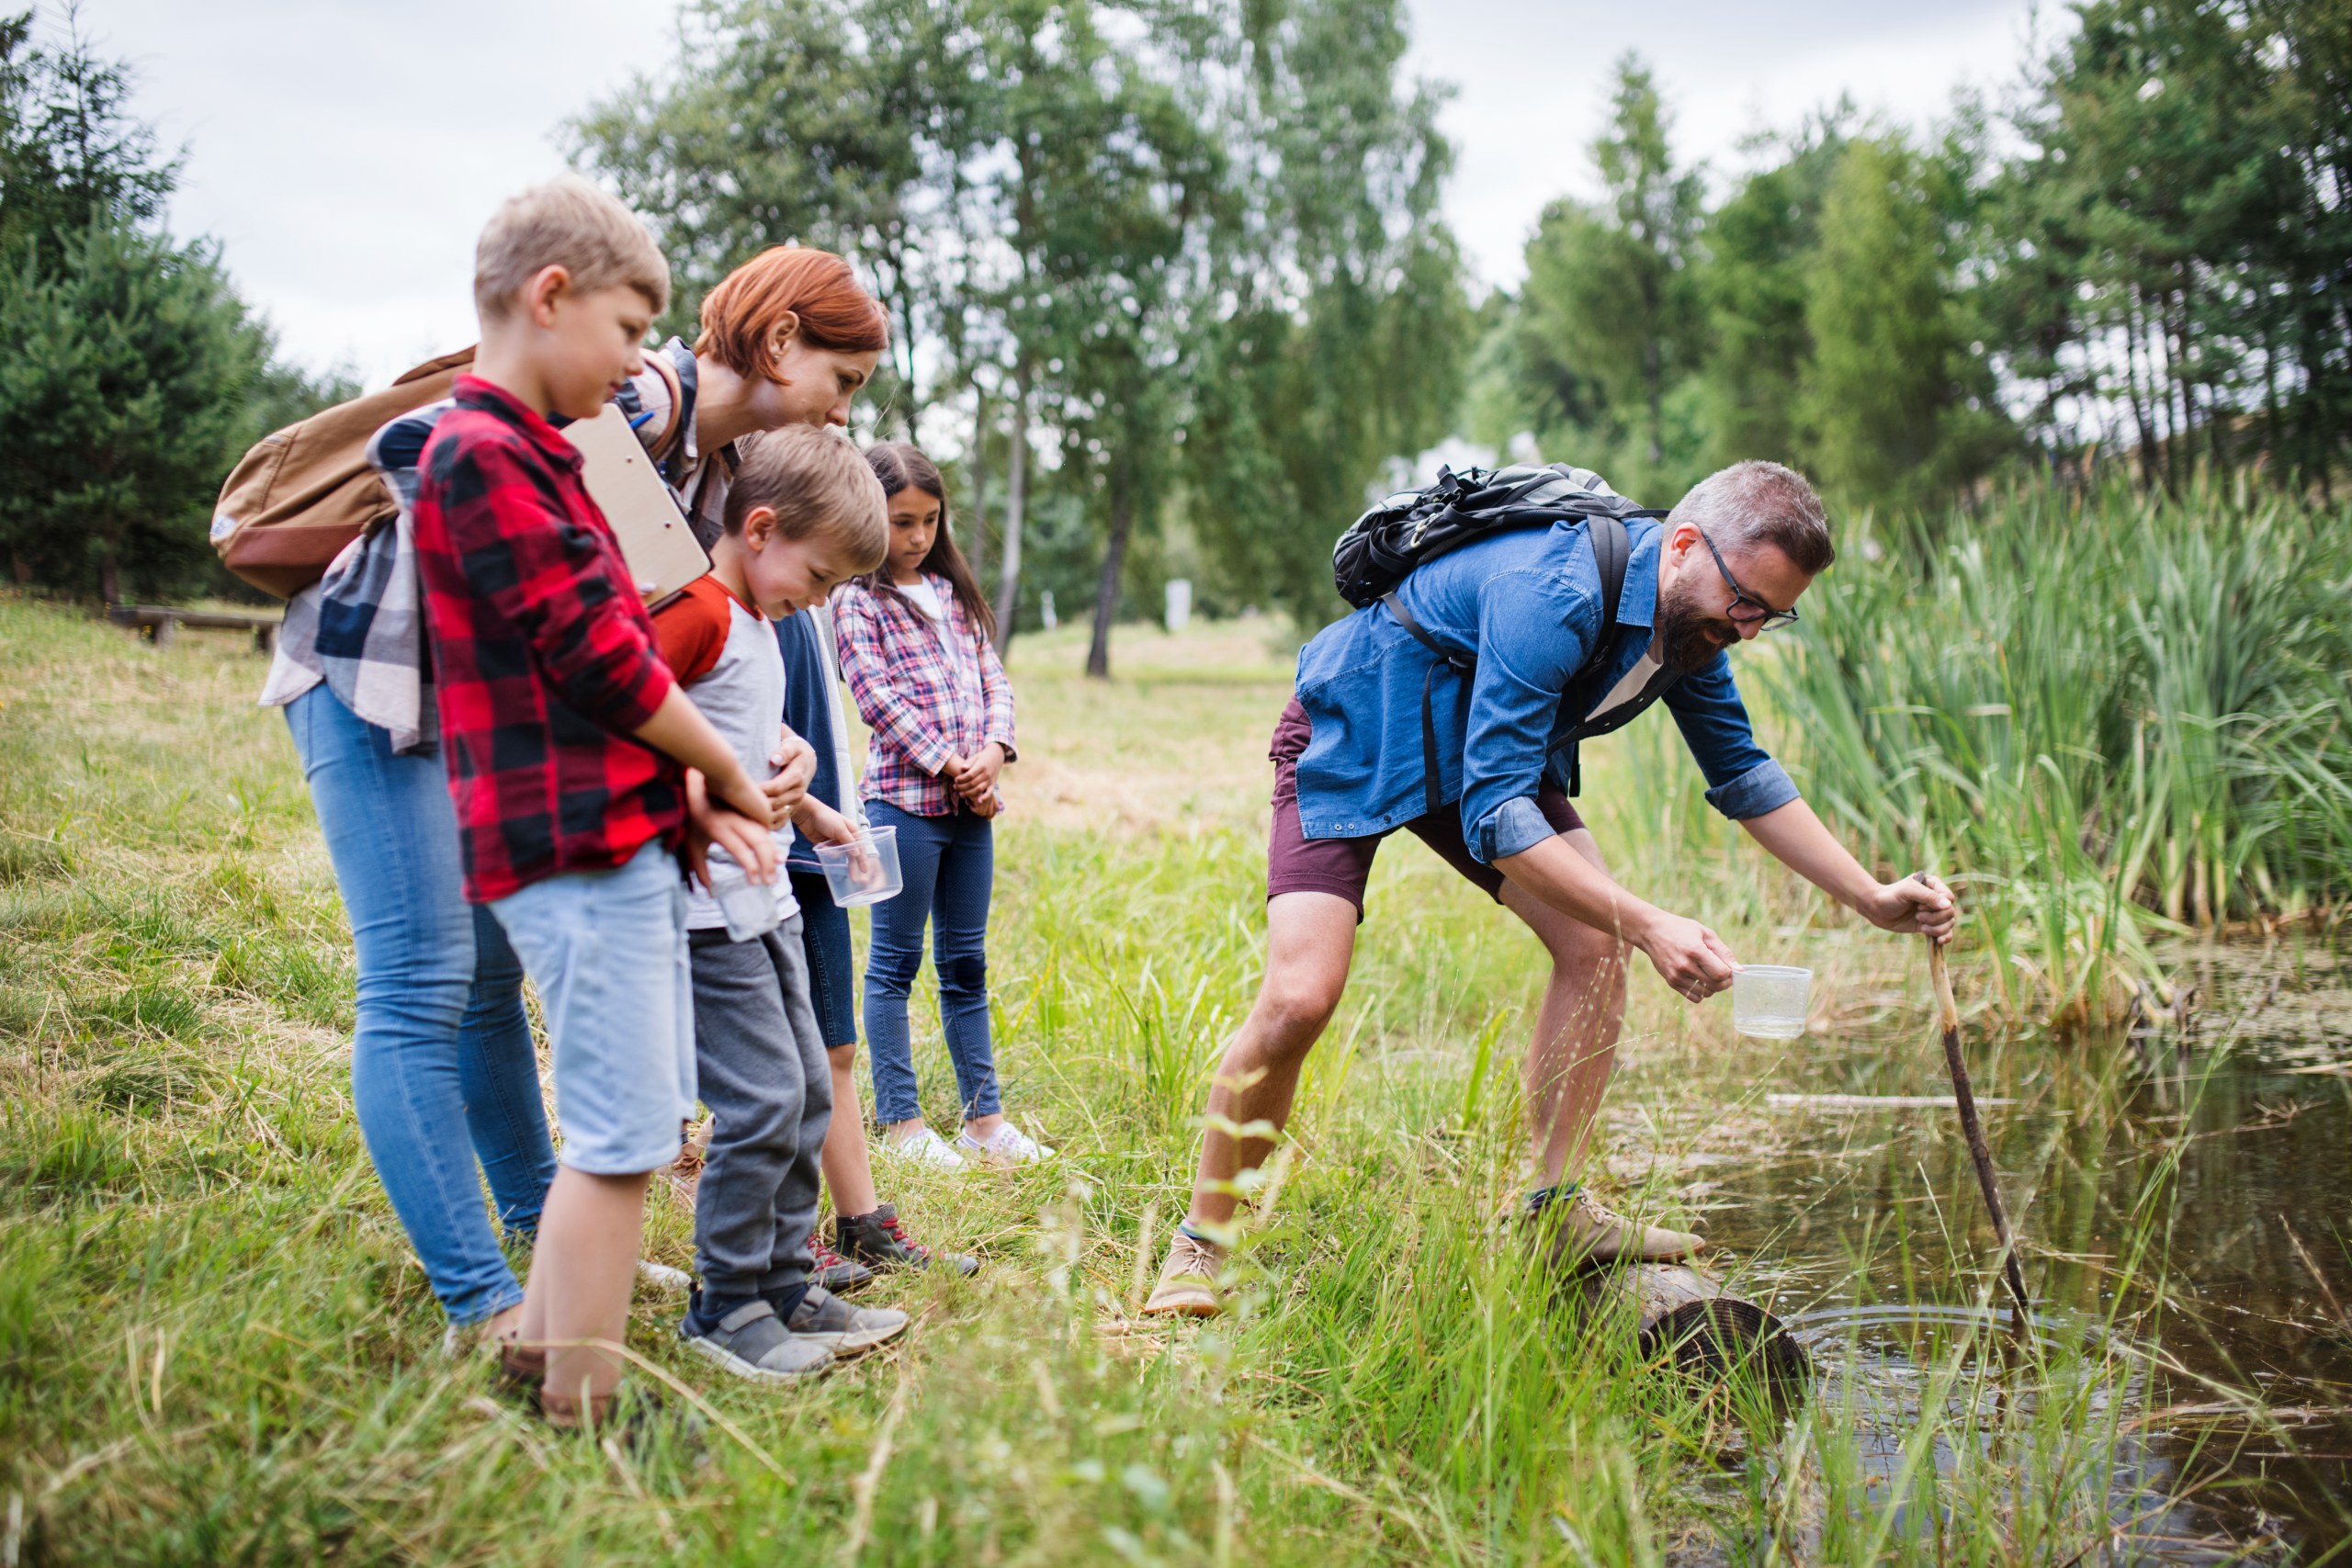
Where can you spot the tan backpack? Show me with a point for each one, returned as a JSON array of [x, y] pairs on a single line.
[[301, 494]]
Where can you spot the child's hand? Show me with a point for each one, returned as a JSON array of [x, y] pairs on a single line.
[[822, 824], [751, 846], [736, 789], [977, 783], [795, 762]]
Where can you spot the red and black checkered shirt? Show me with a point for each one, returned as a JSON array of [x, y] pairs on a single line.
[[543, 657]]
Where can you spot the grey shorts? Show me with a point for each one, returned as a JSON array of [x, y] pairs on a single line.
[[607, 952]]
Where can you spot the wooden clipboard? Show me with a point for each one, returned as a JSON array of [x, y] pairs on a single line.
[[660, 549]]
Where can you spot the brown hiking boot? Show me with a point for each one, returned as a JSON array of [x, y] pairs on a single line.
[[1187, 1281], [1573, 1231]]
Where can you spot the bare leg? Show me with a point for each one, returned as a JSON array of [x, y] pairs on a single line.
[[1310, 939], [984, 1127], [582, 1271], [848, 1177], [1573, 1050], [897, 1131]]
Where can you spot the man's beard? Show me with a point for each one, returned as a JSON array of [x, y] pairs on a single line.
[[1683, 640]]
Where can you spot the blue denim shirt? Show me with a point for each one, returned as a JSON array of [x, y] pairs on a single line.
[[1527, 605]]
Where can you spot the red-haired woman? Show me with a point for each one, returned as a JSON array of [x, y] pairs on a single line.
[[443, 1076]]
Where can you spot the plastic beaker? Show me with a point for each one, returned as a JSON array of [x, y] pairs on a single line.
[[865, 872], [747, 907], [1768, 1000]]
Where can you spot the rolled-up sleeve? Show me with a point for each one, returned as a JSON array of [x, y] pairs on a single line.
[[1513, 828], [1530, 639], [1742, 782]]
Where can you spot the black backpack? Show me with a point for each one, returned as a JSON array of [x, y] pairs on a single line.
[[1412, 526], [1392, 539]]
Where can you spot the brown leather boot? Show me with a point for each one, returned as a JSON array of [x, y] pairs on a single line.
[[1572, 1231]]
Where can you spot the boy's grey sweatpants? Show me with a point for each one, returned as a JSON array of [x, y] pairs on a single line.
[[770, 1089]]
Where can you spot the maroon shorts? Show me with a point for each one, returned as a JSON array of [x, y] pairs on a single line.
[[1296, 863]]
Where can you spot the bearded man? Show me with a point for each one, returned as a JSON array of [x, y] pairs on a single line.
[[1518, 617]]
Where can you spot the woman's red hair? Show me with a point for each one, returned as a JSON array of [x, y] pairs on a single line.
[[816, 287]]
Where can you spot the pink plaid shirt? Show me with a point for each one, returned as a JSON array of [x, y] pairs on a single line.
[[925, 705]]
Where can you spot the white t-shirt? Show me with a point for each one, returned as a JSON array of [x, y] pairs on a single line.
[[1625, 690], [923, 596], [724, 652]]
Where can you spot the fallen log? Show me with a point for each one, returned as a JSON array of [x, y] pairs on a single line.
[[157, 622], [1681, 1314]]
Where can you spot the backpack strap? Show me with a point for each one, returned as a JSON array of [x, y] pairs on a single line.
[[674, 432], [1613, 549], [724, 457], [1433, 793]]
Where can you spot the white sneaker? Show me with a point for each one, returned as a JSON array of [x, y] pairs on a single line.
[[924, 1147], [662, 1278], [1007, 1145]]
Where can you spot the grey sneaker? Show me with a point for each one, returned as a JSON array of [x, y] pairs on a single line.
[[752, 1343], [823, 1318]]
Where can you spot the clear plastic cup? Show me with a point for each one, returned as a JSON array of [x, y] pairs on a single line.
[[1770, 1000], [865, 872], [748, 908]]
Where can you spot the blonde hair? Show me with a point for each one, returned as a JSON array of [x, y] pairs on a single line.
[[815, 482], [566, 222]]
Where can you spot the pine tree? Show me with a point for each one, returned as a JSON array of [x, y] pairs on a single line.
[[123, 378]]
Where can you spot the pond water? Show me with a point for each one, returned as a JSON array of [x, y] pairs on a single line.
[[2185, 1200]]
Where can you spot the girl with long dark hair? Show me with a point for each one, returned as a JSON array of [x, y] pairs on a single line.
[[916, 640]]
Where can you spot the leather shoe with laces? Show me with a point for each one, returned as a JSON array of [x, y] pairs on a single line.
[[1187, 1281], [1572, 1231]]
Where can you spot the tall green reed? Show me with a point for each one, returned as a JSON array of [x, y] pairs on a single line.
[[2115, 715]]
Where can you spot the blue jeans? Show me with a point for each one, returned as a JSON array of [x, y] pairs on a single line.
[[948, 864], [442, 1069], [832, 968]]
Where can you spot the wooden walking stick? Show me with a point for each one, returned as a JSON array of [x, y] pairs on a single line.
[[1973, 1130]]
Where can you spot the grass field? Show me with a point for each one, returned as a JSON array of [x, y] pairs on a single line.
[[214, 1344]]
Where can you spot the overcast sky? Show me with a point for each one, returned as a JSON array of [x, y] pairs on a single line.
[[345, 153]]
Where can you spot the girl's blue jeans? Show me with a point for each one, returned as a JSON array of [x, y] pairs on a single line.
[[442, 1070], [948, 864]]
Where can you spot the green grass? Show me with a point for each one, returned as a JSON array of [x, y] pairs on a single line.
[[2116, 716], [214, 1344]]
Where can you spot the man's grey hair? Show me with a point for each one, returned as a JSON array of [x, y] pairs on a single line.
[[1755, 503]]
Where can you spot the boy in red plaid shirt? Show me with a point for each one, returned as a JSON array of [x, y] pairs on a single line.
[[568, 744]]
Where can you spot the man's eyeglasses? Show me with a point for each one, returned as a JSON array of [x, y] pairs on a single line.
[[1756, 609]]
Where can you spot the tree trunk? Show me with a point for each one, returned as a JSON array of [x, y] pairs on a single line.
[[976, 538], [2132, 346], [1651, 370], [109, 582], [1106, 592], [1016, 500]]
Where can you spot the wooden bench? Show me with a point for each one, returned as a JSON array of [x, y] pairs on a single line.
[[157, 622]]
